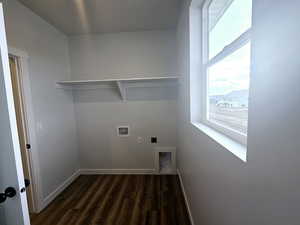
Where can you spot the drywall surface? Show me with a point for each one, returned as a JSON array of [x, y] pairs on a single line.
[[102, 148], [123, 55], [53, 109], [221, 188], [99, 112]]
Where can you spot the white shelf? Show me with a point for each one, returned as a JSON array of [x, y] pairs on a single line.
[[121, 84], [104, 81]]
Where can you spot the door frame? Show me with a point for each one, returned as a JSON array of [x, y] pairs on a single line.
[[23, 58]]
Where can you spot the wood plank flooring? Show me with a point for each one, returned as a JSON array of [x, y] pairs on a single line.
[[118, 200]]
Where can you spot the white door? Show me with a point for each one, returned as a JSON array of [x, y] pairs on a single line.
[[13, 206]]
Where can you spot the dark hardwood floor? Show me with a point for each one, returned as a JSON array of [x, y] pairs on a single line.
[[118, 200]]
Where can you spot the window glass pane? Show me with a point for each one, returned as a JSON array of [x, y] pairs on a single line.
[[228, 19], [228, 90]]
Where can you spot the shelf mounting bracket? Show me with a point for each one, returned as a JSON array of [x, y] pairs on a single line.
[[122, 90]]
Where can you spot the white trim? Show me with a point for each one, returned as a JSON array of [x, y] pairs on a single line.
[[233, 134], [30, 120], [17, 52], [195, 55], [237, 44], [234, 147], [187, 203], [60, 189], [116, 171], [205, 31], [231, 48], [26, 159]]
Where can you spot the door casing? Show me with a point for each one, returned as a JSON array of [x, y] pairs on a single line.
[[37, 196], [16, 75]]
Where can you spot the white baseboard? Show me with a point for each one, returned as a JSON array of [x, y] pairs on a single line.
[[187, 203], [116, 171], [60, 189]]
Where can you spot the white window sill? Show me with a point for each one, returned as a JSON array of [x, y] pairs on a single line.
[[234, 147]]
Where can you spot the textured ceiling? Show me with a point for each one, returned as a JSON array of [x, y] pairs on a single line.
[[75, 17]]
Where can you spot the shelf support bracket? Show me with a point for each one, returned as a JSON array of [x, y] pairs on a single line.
[[122, 90]]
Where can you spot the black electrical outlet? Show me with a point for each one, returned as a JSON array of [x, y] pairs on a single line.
[[153, 139]]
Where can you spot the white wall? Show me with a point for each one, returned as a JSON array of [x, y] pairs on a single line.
[[99, 112], [221, 188], [53, 109], [123, 55], [101, 148]]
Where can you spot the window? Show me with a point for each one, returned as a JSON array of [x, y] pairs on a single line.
[[226, 60]]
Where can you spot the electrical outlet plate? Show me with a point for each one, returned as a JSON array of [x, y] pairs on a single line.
[[123, 131]]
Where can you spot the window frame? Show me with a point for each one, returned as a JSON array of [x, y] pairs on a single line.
[[229, 49]]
